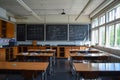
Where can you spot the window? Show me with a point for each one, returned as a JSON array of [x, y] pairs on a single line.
[[95, 22], [106, 29], [117, 34], [110, 35], [102, 19], [117, 12], [95, 36], [111, 15], [102, 35]]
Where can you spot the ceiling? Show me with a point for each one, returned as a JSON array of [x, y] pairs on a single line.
[[51, 7]]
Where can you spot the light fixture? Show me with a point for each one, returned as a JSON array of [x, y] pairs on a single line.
[[28, 9], [63, 13], [24, 5]]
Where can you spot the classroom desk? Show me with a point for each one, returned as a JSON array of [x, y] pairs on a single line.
[[24, 55], [44, 51], [89, 56], [85, 51], [102, 69], [25, 66], [40, 56]]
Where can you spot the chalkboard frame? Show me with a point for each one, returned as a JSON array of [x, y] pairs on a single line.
[[78, 32], [45, 32], [57, 31], [35, 32], [21, 34]]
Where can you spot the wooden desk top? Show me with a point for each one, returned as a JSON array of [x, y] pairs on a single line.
[[89, 54], [36, 54], [100, 67], [85, 51], [39, 50], [38, 66]]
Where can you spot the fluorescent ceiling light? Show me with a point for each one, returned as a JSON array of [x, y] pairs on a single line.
[[28, 9], [35, 15], [24, 5]]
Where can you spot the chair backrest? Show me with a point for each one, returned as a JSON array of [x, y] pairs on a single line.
[[90, 75], [103, 58], [93, 51], [43, 58], [77, 58]]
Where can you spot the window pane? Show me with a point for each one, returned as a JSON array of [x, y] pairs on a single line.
[[110, 15], [118, 34], [110, 35], [118, 12], [102, 19], [95, 23], [96, 36], [102, 35], [93, 40]]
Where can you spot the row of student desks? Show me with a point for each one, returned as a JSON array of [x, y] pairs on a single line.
[[30, 63], [92, 64], [25, 67], [87, 64], [96, 70]]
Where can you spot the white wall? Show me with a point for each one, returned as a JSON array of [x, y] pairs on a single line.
[[61, 19], [3, 13]]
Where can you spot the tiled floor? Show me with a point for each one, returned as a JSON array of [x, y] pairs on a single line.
[[62, 72]]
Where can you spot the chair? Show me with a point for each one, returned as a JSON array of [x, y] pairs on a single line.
[[77, 58], [3, 76], [21, 58], [90, 75], [42, 58], [10, 75], [93, 51], [29, 75], [102, 59]]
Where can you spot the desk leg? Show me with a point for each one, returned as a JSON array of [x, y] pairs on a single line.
[[44, 75], [6, 79], [77, 76], [33, 77], [72, 68], [54, 58], [51, 65]]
